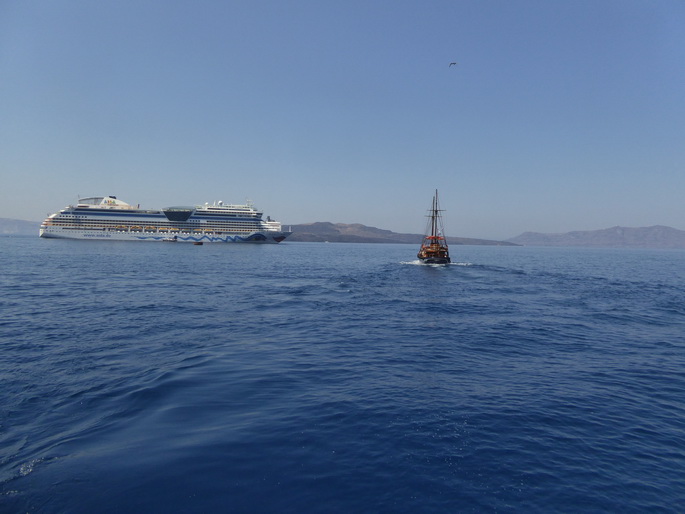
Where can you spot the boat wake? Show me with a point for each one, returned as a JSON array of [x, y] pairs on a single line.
[[418, 262]]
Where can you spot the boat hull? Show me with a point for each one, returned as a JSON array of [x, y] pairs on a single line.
[[259, 237], [435, 260]]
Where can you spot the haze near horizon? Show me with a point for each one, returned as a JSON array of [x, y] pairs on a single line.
[[556, 117]]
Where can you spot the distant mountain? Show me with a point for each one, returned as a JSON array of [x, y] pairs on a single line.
[[10, 227], [342, 233], [657, 236]]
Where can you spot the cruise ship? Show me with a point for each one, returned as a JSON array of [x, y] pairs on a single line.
[[108, 218]]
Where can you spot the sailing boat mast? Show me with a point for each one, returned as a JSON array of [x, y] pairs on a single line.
[[434, 228]]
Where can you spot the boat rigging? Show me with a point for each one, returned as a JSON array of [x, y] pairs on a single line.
[[434, 249]]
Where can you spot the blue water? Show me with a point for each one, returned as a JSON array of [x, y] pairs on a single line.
[[152, 377]]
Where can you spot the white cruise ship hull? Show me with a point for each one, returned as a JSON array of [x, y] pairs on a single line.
[[110, 219], [266, 237]]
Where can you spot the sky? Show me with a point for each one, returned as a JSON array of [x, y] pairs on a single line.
[[558, 116]]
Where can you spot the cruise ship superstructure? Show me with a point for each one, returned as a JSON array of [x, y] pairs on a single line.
[[108, 218]]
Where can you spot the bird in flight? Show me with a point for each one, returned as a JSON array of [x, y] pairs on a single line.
[[452, 64]]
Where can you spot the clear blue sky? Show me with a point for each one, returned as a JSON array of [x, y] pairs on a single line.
[[559, 115]]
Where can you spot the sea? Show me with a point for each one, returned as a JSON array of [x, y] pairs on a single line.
[[338, 378]]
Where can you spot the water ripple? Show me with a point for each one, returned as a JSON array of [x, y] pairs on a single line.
[[143, 377]]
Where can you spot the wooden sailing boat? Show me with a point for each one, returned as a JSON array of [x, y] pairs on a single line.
[[434, 248]]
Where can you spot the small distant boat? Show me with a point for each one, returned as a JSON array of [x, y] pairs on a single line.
[[171, 239], [198, 243], [434, 248]]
